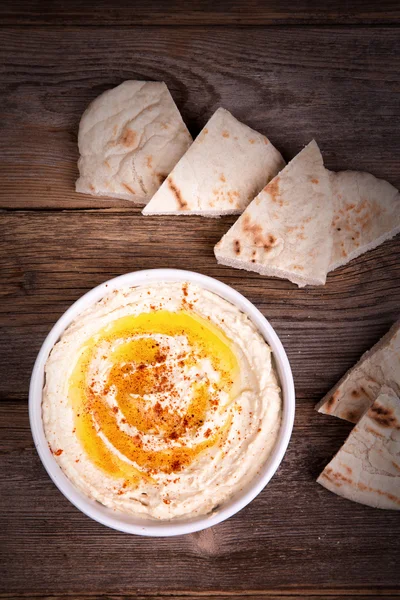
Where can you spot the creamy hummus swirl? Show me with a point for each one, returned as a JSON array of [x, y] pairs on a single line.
[[161, 401]]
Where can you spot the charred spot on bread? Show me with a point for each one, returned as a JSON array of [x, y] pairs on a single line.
[[127, 137], [332, 400], [182, 204], [273, 190], [384, 416], [127, 187], [254, 230], [351, 415], [270, 242], [336, 478], [161, 177]]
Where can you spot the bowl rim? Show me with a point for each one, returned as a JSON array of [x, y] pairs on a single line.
[[150, 527]]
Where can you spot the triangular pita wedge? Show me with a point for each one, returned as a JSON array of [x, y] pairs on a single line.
[[358, 388], [286, 231], [226, 166], [129, 139], [367, 467], [366, 212]]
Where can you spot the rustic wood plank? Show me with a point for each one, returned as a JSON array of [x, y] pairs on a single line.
[[254, 595], [295, 538], [239, 12], [298, 595], [339, 86], [49, 259]]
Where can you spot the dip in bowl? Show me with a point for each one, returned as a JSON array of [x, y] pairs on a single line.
[[161, 403]]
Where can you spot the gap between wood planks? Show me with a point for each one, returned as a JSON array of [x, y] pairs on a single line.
[[176, 13], [216, 595], [231, 25], [134, 210]]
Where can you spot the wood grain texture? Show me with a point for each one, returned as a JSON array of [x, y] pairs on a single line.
[[294, 535], [340, 86], [203, 12], [49, 259], [253, 595], [295, 532], [212, 595], [333, 82]]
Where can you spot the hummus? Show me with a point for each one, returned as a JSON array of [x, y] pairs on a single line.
[[161, 401]]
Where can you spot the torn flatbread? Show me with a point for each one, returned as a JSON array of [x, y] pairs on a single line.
[[366, 213], [226, 166], [367, 467], [286, 230], [130, 138], [351, 397]]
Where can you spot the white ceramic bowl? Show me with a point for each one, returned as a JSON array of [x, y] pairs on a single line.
[[137, 525]]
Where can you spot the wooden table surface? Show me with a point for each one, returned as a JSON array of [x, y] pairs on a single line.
[[294, 71]]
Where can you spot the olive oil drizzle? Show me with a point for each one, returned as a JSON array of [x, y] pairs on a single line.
[[140, 366]]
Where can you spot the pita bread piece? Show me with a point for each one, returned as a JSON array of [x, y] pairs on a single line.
[[351, 397], [286, 231], [367, 467], [366, 213], [130, 138], [227, 165]]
